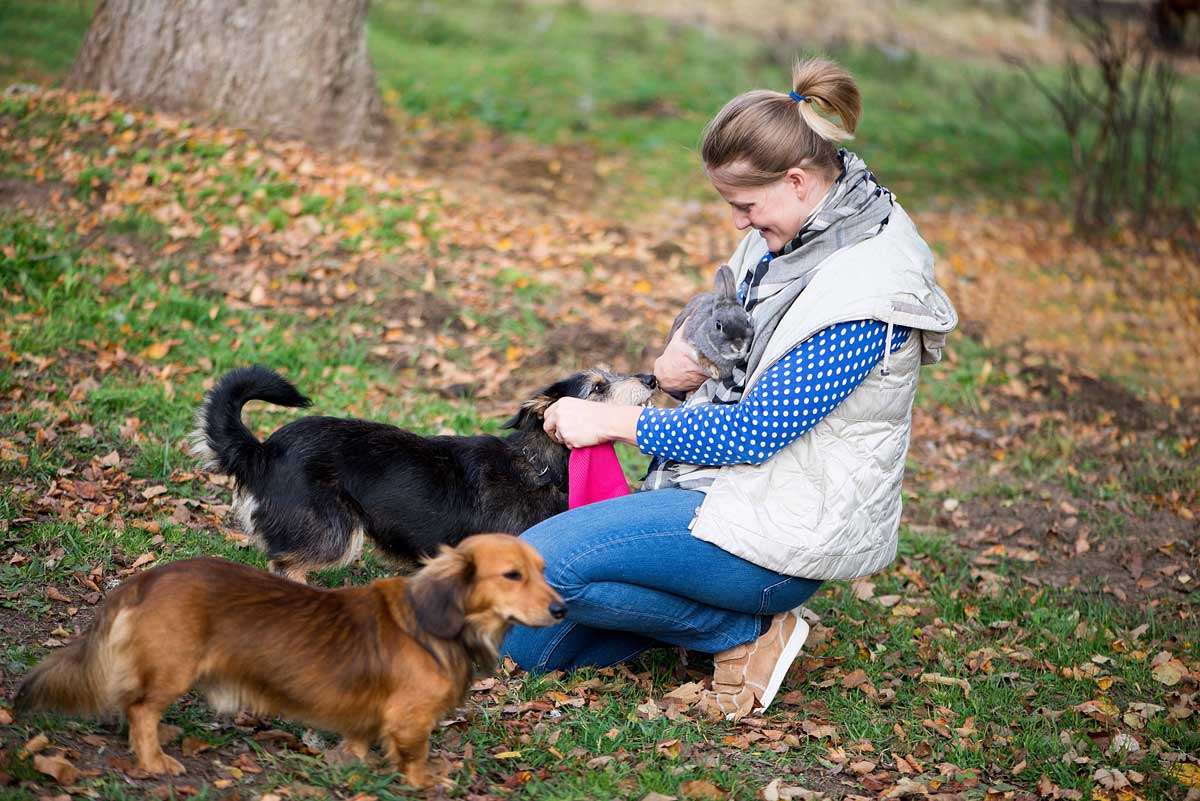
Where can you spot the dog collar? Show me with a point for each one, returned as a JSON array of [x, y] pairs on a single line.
[[529, 457]]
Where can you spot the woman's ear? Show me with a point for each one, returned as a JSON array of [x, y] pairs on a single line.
[[798, 181]]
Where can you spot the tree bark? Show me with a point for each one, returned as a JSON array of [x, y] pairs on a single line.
[[288, 68]]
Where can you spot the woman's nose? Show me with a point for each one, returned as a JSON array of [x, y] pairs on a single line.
[[741, 221]]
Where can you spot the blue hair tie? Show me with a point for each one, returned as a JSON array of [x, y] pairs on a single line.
[[799, 98]]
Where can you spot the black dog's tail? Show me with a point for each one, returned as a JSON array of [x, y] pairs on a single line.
[[221, 438]]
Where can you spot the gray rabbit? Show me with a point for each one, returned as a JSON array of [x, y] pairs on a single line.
[[716, 326]]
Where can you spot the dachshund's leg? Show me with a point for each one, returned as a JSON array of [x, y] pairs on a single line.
[[408, 751], [143, 739]]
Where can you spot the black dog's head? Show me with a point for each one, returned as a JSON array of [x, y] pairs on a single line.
[[597, 384]]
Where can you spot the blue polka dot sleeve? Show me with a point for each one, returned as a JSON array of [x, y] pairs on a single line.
[[794, 395]]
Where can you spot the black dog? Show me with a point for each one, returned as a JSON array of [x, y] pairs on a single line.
[[315, 487]]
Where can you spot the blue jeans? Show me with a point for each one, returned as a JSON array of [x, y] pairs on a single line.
[[634, 577]]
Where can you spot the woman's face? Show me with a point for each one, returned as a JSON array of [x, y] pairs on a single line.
[[777, 211]]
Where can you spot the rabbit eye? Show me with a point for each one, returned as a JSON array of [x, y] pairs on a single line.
[[718, 325]]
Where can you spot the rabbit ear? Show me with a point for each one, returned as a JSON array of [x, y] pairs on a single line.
[[724, 285]]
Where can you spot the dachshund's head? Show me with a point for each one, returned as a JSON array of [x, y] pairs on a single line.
[[597, 384], [478, 590]]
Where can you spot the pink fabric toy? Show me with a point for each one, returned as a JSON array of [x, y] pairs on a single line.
[[594, 474]]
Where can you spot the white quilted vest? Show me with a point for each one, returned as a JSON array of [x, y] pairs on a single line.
[[828, 505]]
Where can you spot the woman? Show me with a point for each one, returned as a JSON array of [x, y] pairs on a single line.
[[787, 473]]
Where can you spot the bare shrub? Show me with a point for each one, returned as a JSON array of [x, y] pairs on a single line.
[[1116, 105]]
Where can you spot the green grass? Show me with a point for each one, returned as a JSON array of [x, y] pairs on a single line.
[[40, 39], [642, 89], [1019, 650], [638, 91], [78, 336]]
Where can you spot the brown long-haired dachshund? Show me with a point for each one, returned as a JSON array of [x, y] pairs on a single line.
[[377, 663]]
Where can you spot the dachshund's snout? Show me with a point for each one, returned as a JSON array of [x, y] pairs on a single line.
[[558, 610], [649, 381]]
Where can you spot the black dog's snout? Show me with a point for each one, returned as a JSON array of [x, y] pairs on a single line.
[[558, 610], [648, 380]]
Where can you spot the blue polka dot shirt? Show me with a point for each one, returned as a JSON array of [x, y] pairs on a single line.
[[795, 394]]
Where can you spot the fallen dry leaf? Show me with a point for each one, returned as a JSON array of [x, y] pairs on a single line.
[[157, 351], [668, 748], [864, 589], [688, 693], [649, 709], [855, 678], [1186, 773], [194, 745], [1168, 670], [56, 767], [702, 790], [775, 792], [36, 744], [168, 733], [938, 678]]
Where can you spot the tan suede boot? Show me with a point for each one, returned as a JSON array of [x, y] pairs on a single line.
[[746, 678]]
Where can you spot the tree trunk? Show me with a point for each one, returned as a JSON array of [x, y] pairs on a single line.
[[1039, 16], [289, 68]]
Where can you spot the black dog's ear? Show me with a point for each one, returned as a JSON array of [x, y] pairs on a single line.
[[534, 408], [438, 593], [521, 418]]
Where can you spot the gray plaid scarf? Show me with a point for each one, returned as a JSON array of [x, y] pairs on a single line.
[[855, 208]]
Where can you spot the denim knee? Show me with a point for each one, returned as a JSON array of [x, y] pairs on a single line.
[[529, 647], [559, 575], [566, 581]]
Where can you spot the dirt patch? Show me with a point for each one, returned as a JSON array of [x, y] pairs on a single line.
[[31, 195], [1025, 284], [583, 345], [1057, 543], [1086, 399], [562, 175], [1137, 542]]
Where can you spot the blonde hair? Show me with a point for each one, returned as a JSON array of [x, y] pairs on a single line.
[[759, 135]]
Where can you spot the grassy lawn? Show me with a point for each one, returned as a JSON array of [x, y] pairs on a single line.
[[638, 90], [1036, 638]]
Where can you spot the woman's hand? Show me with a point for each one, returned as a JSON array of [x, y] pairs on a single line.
[[578, 423], [676, 369]]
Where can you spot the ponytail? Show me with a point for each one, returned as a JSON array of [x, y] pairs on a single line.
[[831, 89], [759, 135]]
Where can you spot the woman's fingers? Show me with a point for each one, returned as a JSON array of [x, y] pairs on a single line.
[[550, 422], [575, 423], [676, 369]]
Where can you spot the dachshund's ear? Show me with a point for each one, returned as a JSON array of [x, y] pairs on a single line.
[[438, 593]]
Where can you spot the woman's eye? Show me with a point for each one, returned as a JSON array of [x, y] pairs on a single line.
[[513, 575]]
